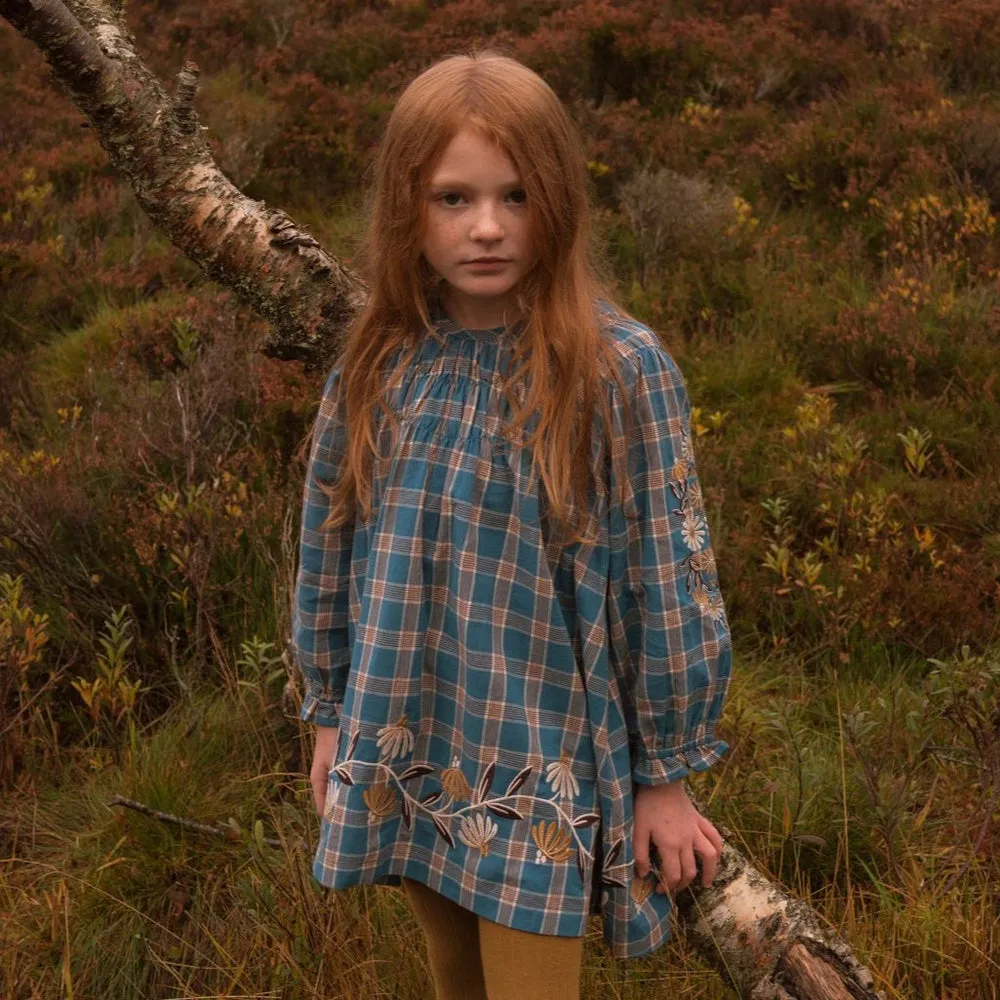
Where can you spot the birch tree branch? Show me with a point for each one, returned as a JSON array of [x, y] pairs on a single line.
[[155, 140]]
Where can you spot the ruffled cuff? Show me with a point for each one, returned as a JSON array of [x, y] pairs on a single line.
[[319, 711], [660, 767]]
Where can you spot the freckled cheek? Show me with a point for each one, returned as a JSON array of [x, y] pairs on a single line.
[[442, 237]]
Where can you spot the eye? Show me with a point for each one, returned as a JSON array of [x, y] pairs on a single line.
[[444, 196], [519, 195]]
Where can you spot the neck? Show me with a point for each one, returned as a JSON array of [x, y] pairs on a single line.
[[475, 314]]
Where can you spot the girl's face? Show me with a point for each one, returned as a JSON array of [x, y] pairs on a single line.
[[475, 209]]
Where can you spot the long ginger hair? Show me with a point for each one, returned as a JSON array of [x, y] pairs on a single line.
[[560, 354]]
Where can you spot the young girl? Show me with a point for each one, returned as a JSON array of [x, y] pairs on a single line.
[[506, 610]]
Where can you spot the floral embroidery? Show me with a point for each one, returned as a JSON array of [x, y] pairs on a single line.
[[556, 840], [477, 831], [642, 888], [560, 776], [380, 799], [395, 740], [686, 450], [700, 564], [716, 607], [611, 864], [455, 783], [553, 842], [693, 532]]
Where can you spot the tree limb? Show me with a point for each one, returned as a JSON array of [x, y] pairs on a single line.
[[156, 141], [765, 943]]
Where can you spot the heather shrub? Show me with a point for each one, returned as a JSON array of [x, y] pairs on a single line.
[[155, 479], [673, 216]]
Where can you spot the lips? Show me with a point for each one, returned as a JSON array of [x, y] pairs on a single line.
[[489, 260]]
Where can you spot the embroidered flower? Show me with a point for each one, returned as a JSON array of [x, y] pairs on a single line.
[[680, 470], [716, 607], [380, 799], [395, 740], [477, 831], [455, 783], [702, 562], [693, 531], [560, 776], [553, 842], [701, 598], [642, 888]]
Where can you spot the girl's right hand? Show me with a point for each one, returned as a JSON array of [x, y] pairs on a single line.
[[319, 774]]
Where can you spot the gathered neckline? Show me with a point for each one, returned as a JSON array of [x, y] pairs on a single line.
[[446, 325]]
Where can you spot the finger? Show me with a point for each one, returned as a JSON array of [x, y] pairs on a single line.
[[709, 859], [688, 867], [670, 867], [709, 831], [640, 848]]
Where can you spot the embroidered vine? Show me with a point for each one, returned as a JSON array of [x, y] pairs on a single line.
[[700, 564], [556, 840]]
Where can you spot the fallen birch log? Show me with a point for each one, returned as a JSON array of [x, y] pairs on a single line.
[[767, 944]]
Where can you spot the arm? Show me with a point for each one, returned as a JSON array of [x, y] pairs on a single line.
[[673, 650], [320, 630]]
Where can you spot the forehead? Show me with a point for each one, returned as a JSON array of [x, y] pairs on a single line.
[[473, 159]]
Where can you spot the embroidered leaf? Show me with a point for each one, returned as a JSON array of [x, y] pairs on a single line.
[[353, 745], [611, 880], [341, 772], [613, 852], [487, 780], [336, 749], [519, 779], [407, 812], [507, 812], [431, 797], [415, 770], [587, 819], [579, 860], [443, 829]]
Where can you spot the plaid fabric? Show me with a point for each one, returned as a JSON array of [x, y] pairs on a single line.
[[497, 696]]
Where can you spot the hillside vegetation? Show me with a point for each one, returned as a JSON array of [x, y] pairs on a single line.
[[799, 196]]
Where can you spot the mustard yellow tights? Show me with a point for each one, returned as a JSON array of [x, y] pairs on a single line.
[[472, 958]]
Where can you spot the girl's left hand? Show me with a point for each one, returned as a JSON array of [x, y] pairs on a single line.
[[666, 816]]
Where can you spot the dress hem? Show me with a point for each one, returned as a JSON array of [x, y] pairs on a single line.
[[416, 871]]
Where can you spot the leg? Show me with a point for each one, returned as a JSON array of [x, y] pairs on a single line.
[[518, 965], [452, 935]]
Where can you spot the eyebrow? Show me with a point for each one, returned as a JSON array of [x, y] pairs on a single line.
[[451, 185]]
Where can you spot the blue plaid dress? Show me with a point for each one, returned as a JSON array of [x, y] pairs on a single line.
[[497, 695]]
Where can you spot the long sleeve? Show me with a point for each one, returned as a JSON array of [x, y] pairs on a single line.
[[669, 634], [320, 614]]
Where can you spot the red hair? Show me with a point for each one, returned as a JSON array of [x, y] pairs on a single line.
[[561, 353]]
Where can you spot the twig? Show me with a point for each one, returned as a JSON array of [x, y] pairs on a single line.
[[228, 832]]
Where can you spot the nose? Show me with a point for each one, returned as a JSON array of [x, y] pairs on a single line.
[[486, 225]]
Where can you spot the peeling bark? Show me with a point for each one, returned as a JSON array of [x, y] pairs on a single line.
[[155, 140], [766, 944]]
